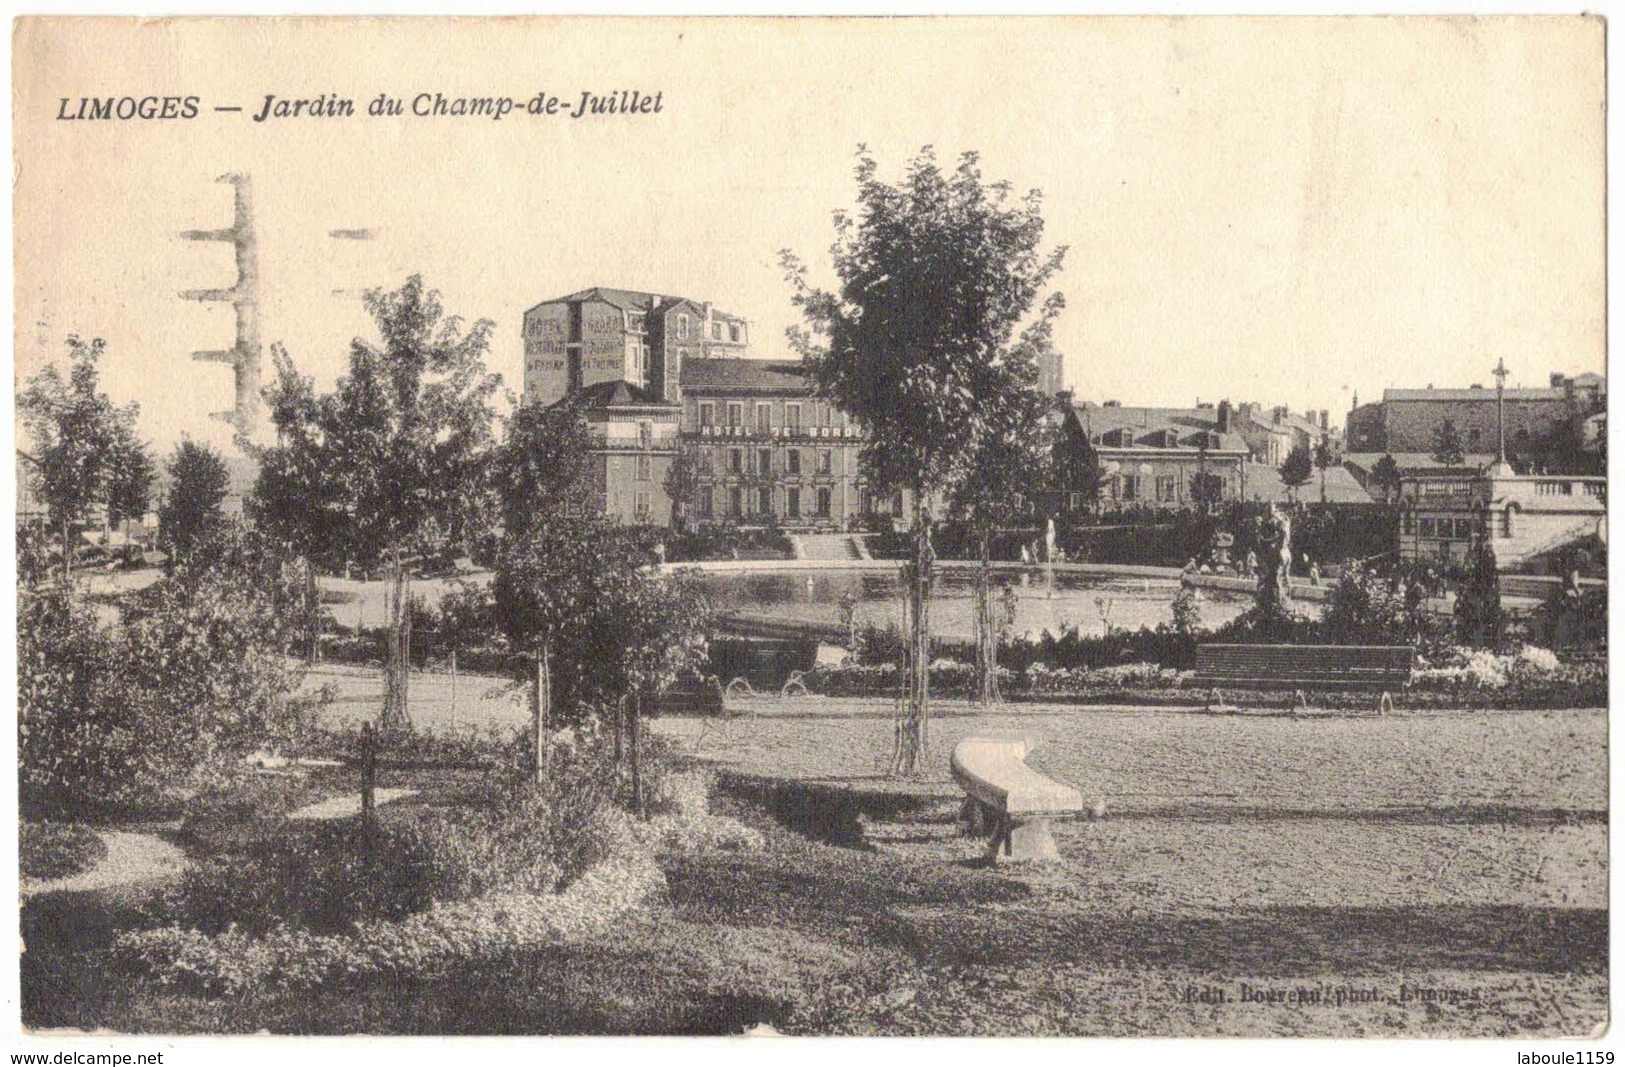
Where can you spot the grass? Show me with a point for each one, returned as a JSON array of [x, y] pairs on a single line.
[[50, 850]]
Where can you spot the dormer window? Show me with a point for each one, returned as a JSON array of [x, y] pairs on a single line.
[[682, 327], [716, 331], [733, 332]]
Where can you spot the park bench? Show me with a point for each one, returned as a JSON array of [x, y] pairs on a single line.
[[1302, 669], [1010, 800]]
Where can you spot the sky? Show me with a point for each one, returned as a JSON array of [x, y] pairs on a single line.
[[1289, 211]]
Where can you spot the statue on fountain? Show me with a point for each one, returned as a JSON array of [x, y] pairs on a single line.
[[1275, 562]]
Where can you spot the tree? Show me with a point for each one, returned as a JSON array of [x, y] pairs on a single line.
[[192, 509], [1479, 619], [544, 464], [575, 589], [1207, 489], [1323, 459], [1447, 449], [85, 451], [682, 484], [1385, 478], [1296, 469], [391, 464], [1006, 470], [935, 275], [1077, 469]]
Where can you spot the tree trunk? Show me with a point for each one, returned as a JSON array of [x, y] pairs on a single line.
[[620, 731], [313, 605], [987, 631], [912, 737], [634, 738], [67, 552], [397, 644], [541, 705]]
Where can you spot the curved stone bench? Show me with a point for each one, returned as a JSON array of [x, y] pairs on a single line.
[[1014, 801]]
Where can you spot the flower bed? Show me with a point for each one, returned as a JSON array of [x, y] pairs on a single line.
[[1530, 677]]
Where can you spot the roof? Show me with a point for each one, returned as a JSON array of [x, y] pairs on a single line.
[[1391, 395], [738, 376], [1263, 482], [617, 394], [634, 300], [1144, 424]]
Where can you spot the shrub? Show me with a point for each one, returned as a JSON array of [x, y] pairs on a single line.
[[50, 850], [148, 710]]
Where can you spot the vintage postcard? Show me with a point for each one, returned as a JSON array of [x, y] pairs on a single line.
[[811, 526]]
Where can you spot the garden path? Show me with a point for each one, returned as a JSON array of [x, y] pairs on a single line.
[[132, 858], [345, 806]]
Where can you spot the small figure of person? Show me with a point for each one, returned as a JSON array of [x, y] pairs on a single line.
[[1314, 573], [1252, 563]]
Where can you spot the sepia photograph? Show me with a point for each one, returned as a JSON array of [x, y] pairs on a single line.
[[920, 526]]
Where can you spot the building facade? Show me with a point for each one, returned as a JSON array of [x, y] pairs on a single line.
[[661, 377], [1525, 517], [1154, 456], [1406, 420]]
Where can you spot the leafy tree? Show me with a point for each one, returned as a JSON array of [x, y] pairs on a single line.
[[682, 484], [1295, 470], [1385, 478], [1479, 620], [192, 510], [1447, 447], [1077, 469], [1323, 459], [575, 589], [391, 464], [544, 464], [85, 451], [1367, 607], [1006, 470], [935, 275]]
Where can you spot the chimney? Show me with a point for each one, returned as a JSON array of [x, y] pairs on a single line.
[[654, 300], [1279, 414], [1325, 420], [1224, 416]]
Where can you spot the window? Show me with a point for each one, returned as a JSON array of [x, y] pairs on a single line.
[[792, 503], [716, 331], [682, 327], [1424, 527], [635, 323], [705, 461], [733, 332], [1410, 522], [1466, 528], [641, 507], [792, 416], [736, 414], [823, 503], [646, 434], [897, 505], [825, 461], [792, 461], [1506, 521], [1167, 487], [736, 497], [1074, 501], [1128, 486], [708, 414], [764, 417], [736, 460], [644, 469], [824, 414], [764, 461], [705, 501], [764, 500], [1472, 438]]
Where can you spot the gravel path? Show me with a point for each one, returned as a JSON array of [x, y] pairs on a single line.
[[131, 859], [345, 806]]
